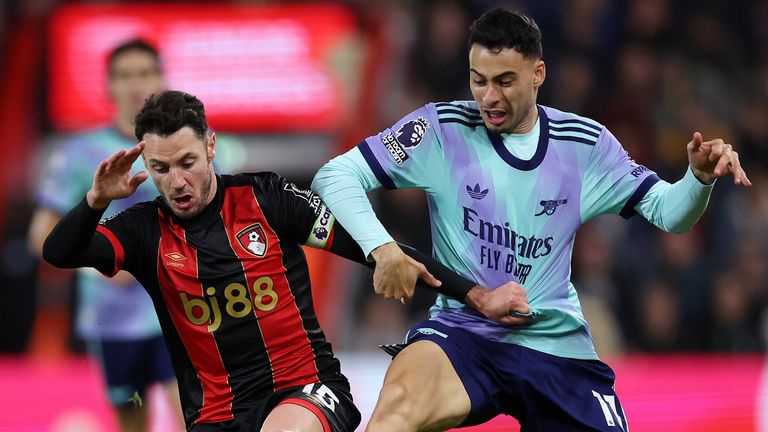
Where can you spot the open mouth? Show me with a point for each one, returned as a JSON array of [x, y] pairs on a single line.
[[496, 117], [183, 201]]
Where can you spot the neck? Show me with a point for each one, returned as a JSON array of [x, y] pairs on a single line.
[[214, 185], [528, 122]]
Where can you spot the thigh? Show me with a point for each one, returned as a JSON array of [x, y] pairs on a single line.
[[315, 407], [568, 395], [446, 375], [295, 417]]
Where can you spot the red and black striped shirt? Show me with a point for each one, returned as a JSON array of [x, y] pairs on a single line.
[[232, 290]]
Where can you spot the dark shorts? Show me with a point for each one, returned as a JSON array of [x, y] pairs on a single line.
[[330, 403], [130, 367], [543, 392]]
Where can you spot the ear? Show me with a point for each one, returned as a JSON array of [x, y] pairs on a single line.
[[539, 74], [211, 150]]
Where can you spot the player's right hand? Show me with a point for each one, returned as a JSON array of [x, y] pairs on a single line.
[[112, 179], [507, 304], [396, 273]]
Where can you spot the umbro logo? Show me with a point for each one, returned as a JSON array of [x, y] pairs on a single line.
[[175, 257], [476, 193], [549, 206]]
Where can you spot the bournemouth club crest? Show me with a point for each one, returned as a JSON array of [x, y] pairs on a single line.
[[253, 240]]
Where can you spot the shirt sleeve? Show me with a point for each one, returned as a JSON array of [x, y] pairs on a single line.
[[342, 184], [401, 156], [296, 214], [131, 233], [676, 207], [404, 156], [613, 182]]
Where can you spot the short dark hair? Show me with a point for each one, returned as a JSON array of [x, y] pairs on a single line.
[[132, 45], [501, 28], [165, 112]]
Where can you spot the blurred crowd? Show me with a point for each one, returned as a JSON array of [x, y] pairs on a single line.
[[652, 71]]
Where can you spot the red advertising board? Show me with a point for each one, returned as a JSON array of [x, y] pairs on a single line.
[[256, 67]]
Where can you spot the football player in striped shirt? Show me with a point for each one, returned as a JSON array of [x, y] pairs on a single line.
[[220, 257], [508, 183]]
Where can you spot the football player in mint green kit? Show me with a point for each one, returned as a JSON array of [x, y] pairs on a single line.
[[509, 183]]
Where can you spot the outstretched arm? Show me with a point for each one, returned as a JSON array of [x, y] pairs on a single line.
[[678, 206]]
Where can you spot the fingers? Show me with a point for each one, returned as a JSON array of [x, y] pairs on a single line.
[[724, 159], [429, 279], [110, 162], [739, 175], [137, 180], [696, 141], [512, 320]]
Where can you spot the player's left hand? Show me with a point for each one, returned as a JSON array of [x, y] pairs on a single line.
[[713, 159], [396, 273], [507, 304]]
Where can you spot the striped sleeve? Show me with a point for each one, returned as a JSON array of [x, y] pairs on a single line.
[[612, 181]]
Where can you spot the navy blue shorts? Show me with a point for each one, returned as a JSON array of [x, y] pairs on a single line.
[[543, 392], [130, 367]]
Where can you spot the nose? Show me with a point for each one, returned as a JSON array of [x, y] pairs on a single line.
[[177, 179], [491, 95]]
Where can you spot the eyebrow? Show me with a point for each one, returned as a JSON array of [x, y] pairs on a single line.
[[186, 155], [501, 75]]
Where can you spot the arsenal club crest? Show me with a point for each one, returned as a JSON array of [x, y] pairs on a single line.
[[253, 240]]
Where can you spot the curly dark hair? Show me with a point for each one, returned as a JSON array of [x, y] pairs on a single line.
[[501, 28], [165, 112]]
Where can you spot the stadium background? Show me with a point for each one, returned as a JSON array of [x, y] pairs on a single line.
[[682, 318]]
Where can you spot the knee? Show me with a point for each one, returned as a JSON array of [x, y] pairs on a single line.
[[394, 405]]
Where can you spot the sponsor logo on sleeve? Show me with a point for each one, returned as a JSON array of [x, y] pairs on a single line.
[[394, 148], [320, 233], [307, 195], [638, 171], [412, 132]]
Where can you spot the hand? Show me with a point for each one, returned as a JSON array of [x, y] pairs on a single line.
[[712, 159], [503, 305], [396, 273], [113, 180]]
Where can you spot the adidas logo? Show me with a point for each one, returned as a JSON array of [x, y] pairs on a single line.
[[476, 193]]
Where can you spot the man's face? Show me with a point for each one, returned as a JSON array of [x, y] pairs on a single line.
[[181, 167], [134, 75], [504, 84]]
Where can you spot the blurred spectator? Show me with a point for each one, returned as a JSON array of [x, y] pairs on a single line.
[[659, 317], [736, 325]]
